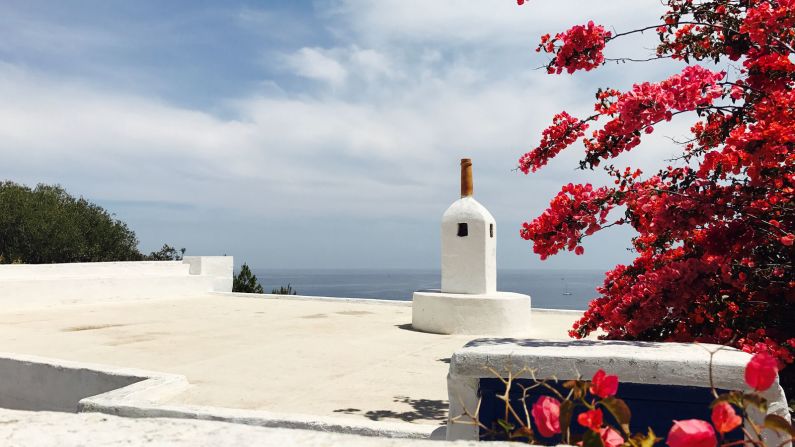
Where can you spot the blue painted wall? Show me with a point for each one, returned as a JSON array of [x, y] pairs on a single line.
[[655, 406]]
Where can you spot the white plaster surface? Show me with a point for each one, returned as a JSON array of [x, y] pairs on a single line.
[[219, 268], [45, 429], [496, 313], [634, 362], [31, 286], [35, 383], [469, 264], [289, 360]]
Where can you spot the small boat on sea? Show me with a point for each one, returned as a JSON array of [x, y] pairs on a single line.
[[565, 287]]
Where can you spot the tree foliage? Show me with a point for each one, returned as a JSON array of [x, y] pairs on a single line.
[[282, 290], [246, 282], [166, 253], [715, 228], [47, 225]]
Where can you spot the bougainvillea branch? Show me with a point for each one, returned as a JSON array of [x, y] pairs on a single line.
[[715, 240]]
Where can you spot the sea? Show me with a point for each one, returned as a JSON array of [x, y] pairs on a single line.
[[556, 289]]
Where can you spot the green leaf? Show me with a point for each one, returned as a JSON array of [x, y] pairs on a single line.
[[592, 439], [778, 423], [754, 399], [508, 427], [619, 409], [647, 440], [523, 432], [578, 388], [732, 397]]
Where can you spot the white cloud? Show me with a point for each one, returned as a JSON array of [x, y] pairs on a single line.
[[483, 23], [407, 88], [312, 63]]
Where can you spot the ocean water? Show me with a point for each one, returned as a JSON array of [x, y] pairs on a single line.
[[547, 288]]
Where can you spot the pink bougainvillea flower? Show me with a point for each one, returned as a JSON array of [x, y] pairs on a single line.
[[692, 433], [591, 419], [546, 414], [724, 417], [761, 371], [610, 437], [603, 385]]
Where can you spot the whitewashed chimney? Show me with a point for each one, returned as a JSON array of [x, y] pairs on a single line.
[[469, 302], [469, 243]]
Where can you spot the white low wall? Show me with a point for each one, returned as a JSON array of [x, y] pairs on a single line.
[[32, 383], [685, 364], [41, 384], [31, 286], [219, 269], [130, 269]]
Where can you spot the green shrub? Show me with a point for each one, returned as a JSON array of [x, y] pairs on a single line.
[[47, 225], [166, 253], [246, 282], [284, 290]]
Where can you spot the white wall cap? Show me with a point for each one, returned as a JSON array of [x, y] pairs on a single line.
[[683, 364], [467, 208], [635, 362]]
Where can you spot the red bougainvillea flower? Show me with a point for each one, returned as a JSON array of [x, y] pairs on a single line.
[[610, 437], [603, 385], [579, 48], [546, 414], [692, 433], [564, 131], [591, 419], [576, 211], [724, 417], [761, 371], [718, 219]]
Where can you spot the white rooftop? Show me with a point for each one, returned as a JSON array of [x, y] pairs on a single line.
[[318, 357]]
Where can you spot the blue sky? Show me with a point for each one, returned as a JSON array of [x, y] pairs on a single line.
[[318, 134]]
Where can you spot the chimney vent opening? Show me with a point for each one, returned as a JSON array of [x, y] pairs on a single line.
[[463, 230]]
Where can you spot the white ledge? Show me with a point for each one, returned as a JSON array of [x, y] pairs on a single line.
[[272, 296]]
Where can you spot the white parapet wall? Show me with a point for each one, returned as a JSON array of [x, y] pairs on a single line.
[[42, 384], [30, 286], [219, 268], [39, 384], [678, 364]]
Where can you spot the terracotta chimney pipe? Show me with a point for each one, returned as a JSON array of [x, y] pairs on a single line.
[[466, 177]]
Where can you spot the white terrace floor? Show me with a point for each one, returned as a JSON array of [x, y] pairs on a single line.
[[311, 357]]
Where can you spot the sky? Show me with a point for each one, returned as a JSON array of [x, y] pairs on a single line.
[[309, 134]]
